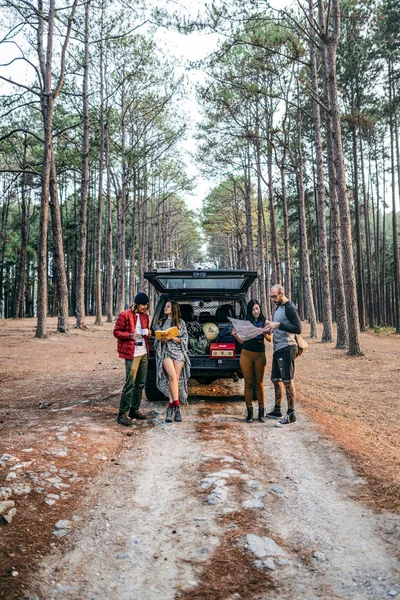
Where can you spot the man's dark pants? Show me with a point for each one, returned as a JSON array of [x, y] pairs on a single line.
[[136, 371], [283, 364]]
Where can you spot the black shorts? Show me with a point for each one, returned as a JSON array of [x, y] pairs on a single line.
[[283, 364]]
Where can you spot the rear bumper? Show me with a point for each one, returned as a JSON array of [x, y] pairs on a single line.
[[204, 366]]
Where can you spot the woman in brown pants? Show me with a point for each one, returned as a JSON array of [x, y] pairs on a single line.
[[253, 361]]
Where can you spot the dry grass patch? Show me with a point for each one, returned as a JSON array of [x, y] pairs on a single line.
[[356, 401]]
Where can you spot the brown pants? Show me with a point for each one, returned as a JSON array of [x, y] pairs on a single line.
[[253, 365]]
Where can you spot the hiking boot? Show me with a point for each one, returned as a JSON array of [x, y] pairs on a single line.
[[170, 414], [249, 414], [261, 413], [290, 417], [177, 417], [122, 420], [136, 414], [275, 414]]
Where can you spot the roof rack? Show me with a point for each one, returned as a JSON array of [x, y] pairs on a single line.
[[164, 265]]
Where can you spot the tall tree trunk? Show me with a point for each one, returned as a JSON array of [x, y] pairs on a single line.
[[60, 274], [286, 237], [248, 211], [20, 300], [42, 292], [336, 249], [47, 99], [308, 295], [121, 245], [99, 228], [359, 252], [260, 217], [3, 237], [132, 272], [383, 280], [145, 217], [378, 243], [276, 265], [347, 246], [80, 288], [368, 251], [47, 107], [267, 269], [396, 268], [168, 246], [109, 235], [121, 214], [327, 334]]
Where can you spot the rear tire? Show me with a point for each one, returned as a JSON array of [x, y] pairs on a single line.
[[152, 392]]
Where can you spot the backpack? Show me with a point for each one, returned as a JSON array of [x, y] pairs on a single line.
[[301, 343], [225, 335]]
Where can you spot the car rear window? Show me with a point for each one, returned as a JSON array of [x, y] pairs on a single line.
[[174, 283]]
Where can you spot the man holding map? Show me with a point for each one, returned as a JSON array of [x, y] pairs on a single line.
[[284, 325]]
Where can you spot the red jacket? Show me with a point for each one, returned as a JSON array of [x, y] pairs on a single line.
[[124, 327]]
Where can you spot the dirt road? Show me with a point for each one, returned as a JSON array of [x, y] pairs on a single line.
[[213, 508], [218, 508]]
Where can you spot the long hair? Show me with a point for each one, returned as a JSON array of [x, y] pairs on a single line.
[[249, 311], [175, 313], [135, 308]]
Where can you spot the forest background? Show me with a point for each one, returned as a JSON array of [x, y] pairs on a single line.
[[298, 133]]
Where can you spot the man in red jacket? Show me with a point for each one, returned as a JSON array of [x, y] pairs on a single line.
[[132, 332]]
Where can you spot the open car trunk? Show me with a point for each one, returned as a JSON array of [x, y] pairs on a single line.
[[205, 296], [196, 283]]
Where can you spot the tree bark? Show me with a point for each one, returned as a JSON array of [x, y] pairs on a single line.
[[345, 222], [99, 228], [60, 274], [327, 333], [121, 214], [260, 217], [359, 252], [308, 295], [378, 243], [20, 300], [368, 251], [82, 239], [132, 271], [396, 267], [109, 235], [47, 107], [336, 250], [276, 265], [47, 100]]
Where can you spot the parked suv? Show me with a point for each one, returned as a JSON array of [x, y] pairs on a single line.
[[205, 296]]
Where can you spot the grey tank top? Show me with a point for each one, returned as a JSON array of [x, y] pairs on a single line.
[[282, 338]]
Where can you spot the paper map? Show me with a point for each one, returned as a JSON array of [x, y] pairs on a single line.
[[245, 330]]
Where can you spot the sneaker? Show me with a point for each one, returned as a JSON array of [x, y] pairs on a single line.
[[170, 413], [136, 414], [122, 420], [274, 414], [177, 417], [287, 419]]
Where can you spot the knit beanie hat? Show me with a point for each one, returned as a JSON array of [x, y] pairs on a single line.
[[141, 298]]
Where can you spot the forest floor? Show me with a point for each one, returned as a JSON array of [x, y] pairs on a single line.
[[212, 508]]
